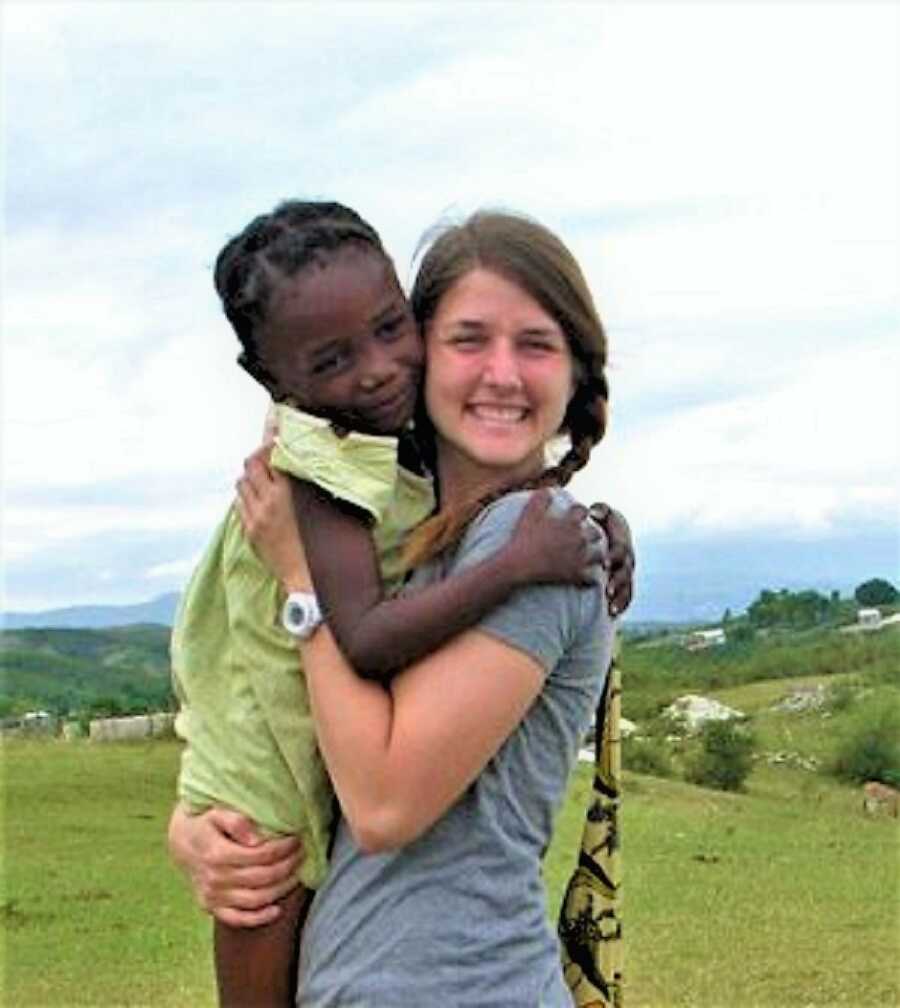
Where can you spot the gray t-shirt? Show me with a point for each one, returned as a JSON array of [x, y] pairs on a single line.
[[457, 917]]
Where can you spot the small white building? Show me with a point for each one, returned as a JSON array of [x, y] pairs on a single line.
[[697, 640], [869, 619], [129, 729], [39, 722]]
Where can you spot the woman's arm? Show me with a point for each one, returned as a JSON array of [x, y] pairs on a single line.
[[398, 757]]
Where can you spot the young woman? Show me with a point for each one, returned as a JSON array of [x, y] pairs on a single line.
[[448, 778]]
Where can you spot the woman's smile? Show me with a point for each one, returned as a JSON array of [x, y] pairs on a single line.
[[503, 415]]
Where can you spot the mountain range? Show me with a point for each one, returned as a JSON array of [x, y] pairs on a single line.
[[159, 610], [678, 580]]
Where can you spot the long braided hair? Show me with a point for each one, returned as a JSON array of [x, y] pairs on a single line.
[[532, 257], [272, 248]]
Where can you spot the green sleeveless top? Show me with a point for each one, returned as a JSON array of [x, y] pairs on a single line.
[[244, 710]]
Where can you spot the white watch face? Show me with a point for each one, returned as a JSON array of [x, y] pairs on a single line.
[[296, 614], [301, 615]]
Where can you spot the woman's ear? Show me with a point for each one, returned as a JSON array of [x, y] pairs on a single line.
[[578, 373]]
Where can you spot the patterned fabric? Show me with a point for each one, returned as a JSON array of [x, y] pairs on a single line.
[[244, 709], [590, 927]]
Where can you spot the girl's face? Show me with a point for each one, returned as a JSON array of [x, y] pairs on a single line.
[[340, 342], [499, 377]]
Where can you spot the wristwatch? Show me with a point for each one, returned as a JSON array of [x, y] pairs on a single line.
[[301, 615]]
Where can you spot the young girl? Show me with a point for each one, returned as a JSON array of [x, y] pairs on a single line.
[[325, 328]]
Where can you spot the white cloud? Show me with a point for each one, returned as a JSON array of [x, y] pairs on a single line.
[[726, 174], [29, 531], [798, 455], [791, 256], [177, 569]]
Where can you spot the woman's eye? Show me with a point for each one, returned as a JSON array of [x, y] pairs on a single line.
[[538, 345], [466, 340]]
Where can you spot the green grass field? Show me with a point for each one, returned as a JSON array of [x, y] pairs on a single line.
[[783, 896]]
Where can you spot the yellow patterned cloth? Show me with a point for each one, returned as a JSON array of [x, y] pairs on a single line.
[[590, 927], [244, 709]]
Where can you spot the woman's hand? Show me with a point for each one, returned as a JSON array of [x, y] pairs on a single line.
[[621, 561], [235, 874], [266, 509]]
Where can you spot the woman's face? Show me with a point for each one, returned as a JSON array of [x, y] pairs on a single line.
[[498, 379]]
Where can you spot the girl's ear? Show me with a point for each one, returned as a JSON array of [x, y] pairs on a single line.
[[256, 371]]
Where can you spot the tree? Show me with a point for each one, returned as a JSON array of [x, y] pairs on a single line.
[[797, 610], [876, 591], [763, 612], [725, 757]]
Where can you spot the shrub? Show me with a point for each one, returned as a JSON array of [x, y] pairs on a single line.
[[841, 695], [725, 757], [648, 756], [741, 633], [869, 748]]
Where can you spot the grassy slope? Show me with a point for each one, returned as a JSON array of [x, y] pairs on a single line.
[[94, 913], [66, 668], [71, 668], [657, 674], [785, 896]]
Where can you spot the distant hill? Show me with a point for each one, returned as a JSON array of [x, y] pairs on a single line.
[[120, 668], [630, 629], [159, 610]]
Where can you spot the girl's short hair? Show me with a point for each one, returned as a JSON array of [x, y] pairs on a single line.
[[274, 247]]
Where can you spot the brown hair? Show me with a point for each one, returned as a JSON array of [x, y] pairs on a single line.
[[533, 258]]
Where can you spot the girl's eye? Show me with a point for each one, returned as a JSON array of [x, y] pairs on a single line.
[[332, 363], [393, 328]]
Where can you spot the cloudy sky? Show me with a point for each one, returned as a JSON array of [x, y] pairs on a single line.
[[727, 174]]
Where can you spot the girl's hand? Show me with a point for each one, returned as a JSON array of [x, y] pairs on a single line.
[[556, 548], [620, 587], [266, 509], [235, 874]]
